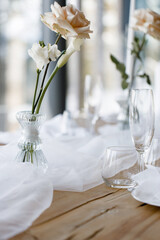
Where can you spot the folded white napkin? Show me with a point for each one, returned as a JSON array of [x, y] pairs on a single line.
[[147, 189]]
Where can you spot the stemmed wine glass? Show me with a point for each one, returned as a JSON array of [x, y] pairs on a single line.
[[141, 120], [92, 100]]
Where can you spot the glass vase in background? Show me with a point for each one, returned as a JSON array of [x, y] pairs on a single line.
[[30, 142], [141, 120]]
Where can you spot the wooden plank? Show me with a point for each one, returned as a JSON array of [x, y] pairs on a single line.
[[100, 213], [66, 201], [84, 222]]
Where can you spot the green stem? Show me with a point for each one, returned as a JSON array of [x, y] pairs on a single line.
[[31, 152], [46, 87], [41, 88], [58, 37], [35, 91], [143, 43], [44, 76]]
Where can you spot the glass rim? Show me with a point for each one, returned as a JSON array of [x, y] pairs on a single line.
[[142, 89], [26, 116], [29, 113]]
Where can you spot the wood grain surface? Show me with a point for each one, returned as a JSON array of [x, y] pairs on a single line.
[[100, 213]]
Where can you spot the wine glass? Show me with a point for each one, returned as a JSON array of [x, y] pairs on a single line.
[[141, 120], [92, 100]]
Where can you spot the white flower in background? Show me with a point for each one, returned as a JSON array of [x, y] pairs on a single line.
[[53, 52], [73, 47], [39, 55], [68, 21], [147, 21]]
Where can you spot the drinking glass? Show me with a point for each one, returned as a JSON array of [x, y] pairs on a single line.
[[141, 120], [119, 165], [92, 100]]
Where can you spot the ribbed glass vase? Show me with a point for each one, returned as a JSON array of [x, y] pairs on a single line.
[[30, 142]]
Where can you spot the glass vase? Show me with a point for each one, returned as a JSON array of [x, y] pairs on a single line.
[[30, 142]]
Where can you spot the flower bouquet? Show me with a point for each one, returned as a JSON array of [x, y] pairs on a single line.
[[148, 22], [70, 24]]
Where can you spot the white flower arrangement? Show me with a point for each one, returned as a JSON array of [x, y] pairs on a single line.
[[69, 23]]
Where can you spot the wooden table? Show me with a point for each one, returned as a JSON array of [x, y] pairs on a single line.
[[100, 213]]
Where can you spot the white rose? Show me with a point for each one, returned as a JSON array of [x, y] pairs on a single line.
[[73, 47], [53, 52], [39, 55]]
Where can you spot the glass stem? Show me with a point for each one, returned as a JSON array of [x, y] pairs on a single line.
[[141, 161]]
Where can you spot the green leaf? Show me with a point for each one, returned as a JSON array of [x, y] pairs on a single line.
[[137, 47], [122, 69], [146, 76], [125, 76], [148, 80], [124, 84], [114, 59]]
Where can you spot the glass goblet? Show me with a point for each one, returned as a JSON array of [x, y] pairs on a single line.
[[141, 121], [92, 100]]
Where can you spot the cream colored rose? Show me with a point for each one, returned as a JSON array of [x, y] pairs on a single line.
[[68, 21], [147, 21], [74, 46]]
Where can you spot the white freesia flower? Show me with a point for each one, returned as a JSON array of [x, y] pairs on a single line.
[[39, 55], [42, 55], [73, 47], [53, 52]]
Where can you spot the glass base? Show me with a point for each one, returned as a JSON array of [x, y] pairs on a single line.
[[120, 183]]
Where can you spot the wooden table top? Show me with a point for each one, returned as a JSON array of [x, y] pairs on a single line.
[[100, 213]]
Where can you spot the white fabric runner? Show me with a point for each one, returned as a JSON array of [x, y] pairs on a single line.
[[74, 159], [23, 196]]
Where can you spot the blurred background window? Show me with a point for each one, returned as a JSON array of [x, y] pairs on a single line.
[[20, 27]]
